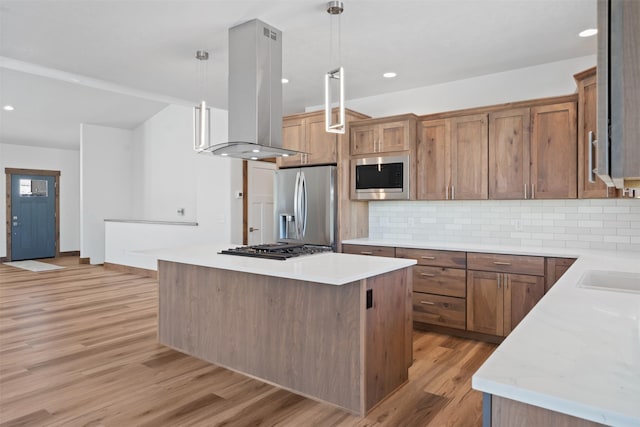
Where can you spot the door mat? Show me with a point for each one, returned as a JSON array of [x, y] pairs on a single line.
[[33, 265]]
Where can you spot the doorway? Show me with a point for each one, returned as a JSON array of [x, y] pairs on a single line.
[[33, 214], [259, 223]]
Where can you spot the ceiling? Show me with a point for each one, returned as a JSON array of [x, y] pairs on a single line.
[[116, 63]]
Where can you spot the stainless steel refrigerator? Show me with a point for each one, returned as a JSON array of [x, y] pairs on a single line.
[[306, 205]]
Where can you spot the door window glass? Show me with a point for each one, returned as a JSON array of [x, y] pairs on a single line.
[[33, 188]]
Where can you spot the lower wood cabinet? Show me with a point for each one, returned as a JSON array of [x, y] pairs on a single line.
[[478, 295], [501, 290], [369, 250], [554, 269]]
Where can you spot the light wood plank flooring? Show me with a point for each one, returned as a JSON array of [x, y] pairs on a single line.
[[78, 348]]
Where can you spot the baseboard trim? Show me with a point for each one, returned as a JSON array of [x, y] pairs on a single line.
[[131, 270], [84, 260], [70, 253]]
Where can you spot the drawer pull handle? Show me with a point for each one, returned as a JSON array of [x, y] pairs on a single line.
[[366, 253], [501, 263], [427, 274], [427, 257], [427, 302]]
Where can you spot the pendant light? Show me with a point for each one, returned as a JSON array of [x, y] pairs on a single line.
[[336, 75], [202, 113]]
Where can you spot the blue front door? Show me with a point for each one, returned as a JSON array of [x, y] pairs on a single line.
[[33, 220]]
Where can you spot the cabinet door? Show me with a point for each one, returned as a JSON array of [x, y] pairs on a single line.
[[509, 153], [433, 160], [485, 302], [555, 268], [521, 294], [554, 151], [393, 136], [293, 137], [469, 157], [321, 145], [587, 122], [363, 139]]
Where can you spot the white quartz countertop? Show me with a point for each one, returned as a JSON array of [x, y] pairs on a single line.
[[328, 268], [578, 351]]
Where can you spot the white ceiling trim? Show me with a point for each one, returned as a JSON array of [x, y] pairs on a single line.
[[52, 73]]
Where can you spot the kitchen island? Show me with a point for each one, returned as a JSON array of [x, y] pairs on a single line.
[[332, 327]]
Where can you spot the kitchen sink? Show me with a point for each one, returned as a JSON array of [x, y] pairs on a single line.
[[610, 281]]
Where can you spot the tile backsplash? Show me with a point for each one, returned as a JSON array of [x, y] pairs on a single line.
[[608, 224]]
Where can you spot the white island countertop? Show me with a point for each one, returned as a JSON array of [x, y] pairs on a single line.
[[578, 351], [328, 268]]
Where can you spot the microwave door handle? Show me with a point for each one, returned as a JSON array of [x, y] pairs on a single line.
[[296, 196], [303, 204]]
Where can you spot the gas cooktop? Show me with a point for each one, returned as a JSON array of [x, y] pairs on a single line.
[[280, 251]]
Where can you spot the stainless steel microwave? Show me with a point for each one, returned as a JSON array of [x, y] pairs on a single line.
[[380, 178]]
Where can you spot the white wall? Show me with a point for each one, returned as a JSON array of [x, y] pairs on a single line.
[[541, 81], [105, 189], [68, 163], [167, 175], [590, 224]]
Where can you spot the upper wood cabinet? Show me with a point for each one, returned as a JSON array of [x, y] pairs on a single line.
[[509, 153], [307, 133], [469, 151], [433, 159], [589, 185], [554, 151], [390, 134], [452, 158]]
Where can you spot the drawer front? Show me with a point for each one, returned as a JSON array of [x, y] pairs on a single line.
[[369, 250], [521, 264], [440, 280], [433, 257], [439, 310]]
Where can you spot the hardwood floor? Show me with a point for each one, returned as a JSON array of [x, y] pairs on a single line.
[[78, 348]]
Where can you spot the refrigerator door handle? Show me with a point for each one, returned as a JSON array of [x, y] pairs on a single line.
[[303, 204], [296, 205]]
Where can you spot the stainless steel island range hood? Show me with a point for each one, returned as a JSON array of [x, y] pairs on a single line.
[[255, 93]]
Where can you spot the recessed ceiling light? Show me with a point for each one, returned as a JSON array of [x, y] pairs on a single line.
[[255, 151], [588, 33], [8, 108], [285, 80], [254, 158], [389, 75], [285, 155], [224, 154]]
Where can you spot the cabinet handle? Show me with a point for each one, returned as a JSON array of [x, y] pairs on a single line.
[[427, 274], [427, 257], [446, 193], [525, 191], [590, 144], [499, 278], [366, 253], [427, 302], [453, 192], [533, 191], [501, 263]]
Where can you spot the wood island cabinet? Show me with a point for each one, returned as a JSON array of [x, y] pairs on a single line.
[[498, 295], [452, 158], [384, 135], [554, 151]]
